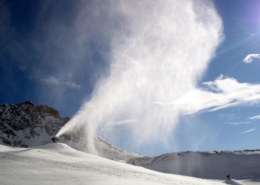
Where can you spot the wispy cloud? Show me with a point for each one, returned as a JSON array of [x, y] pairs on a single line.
[[249, 58], [247, 131], [53, 81], [72, 85], [255, 117], [219, 94], [238, 123], [229, 117]]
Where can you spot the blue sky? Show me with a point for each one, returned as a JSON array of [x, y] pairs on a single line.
[[55, 53]]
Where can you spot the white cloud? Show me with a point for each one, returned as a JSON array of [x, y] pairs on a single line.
[[72, 85], [249, 58], [238, 123], [218, 94], [255, 117], [221, 77], [51, 81], [247, 131]]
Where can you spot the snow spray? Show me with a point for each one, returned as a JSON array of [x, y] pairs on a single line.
[[158, 51]]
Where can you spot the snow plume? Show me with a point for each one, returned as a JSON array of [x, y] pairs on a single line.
[[159, 50]]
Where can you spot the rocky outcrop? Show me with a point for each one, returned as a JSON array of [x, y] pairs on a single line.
[[25, 124]]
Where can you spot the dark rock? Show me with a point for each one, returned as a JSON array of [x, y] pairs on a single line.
[[26, 125]]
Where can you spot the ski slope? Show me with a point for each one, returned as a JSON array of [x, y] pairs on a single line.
[[57, 163], [60, 164]]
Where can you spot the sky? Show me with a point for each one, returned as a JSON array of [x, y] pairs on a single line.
[[149, 77]]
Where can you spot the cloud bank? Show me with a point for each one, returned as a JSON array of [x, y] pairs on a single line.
[[158, 52]]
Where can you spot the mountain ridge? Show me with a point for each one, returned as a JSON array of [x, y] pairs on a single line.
[[27, 125]]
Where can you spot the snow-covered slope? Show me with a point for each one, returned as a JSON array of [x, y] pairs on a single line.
[[211, 165], [26, 125], [60, 164], [78, 140]]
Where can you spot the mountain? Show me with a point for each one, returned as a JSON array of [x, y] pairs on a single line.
[[27, 125], [243, 164]]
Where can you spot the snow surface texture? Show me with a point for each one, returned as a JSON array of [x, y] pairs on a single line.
[[60, 164]]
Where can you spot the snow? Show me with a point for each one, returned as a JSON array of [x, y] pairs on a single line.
[[234, 182], [26, 125], [58, 163], [210, 165]]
